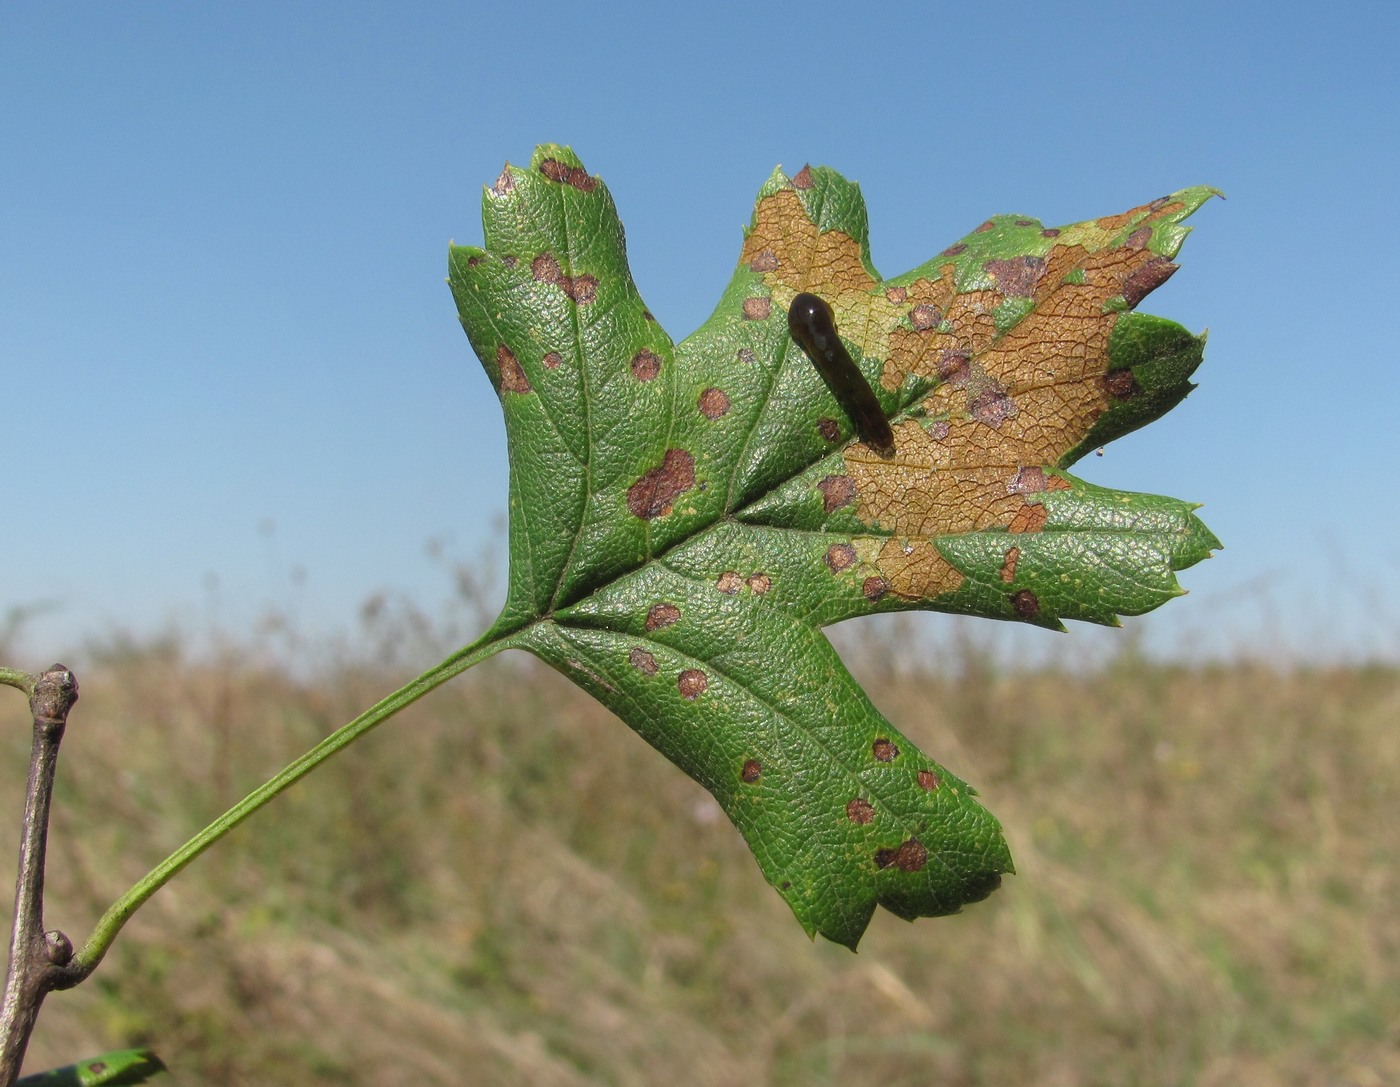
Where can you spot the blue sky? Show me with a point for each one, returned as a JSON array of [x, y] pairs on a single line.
[[234, 375]]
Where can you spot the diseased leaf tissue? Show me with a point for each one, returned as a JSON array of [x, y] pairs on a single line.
[[685, 518]]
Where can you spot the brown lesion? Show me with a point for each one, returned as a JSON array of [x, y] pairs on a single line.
[[1001, 401]]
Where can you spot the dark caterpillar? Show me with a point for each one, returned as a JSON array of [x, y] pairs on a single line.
[[813, 329]]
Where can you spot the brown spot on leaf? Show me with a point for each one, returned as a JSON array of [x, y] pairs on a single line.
[[829, 428], [513, 379], [545, 269], [729, 583], [552, 359], [954, 250], [1121, 384], [746, 355], [662, 615], [860, 811], [758, 583], [642, 661], [897, 295], [1025, 222], [837, 491], [988, 225], [1050, 232], [928, 781], [646, 315], [582, 289], [1025, 603], [1139, 238], [803, 178], [656, 492], [884, 750], [909, 857], [991, 406], [751, 772], [766, 261], [504, 184], [1017, 277], [473, 261], [1141, 282], [646, 364], [953, 366], [576, 176], [1057, 483], [874, 588], [1028, 480], [925, 316], [840, 557], [692, 683], [713, 403], [1029, 518], [510, 260], [1008, 566], [757, 309]]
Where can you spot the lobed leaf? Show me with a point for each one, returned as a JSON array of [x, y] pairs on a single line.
[[685, 518]]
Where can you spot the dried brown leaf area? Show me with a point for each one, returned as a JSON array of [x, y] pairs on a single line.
[[1017, 347]]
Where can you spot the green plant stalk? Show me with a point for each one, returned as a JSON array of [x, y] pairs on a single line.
[[13, 677], [110, 924]]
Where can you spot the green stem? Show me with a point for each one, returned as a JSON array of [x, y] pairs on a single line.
[[13, 677], [105, 932]]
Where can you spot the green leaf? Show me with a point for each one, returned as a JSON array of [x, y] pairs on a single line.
[[686, 518], [120, 1068]]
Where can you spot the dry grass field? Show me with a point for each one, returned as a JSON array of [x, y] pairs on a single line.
[[504, 886]]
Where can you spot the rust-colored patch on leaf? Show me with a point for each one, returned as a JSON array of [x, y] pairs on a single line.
[[513, 379], [928, 781], [911, 856], [642, 661], [884, 750], [758, 583], [829, 429], [1121, 384], [1008, 564], [916, 568], [860, 811], [1017, 277], [840, 557], [1030, 479], [1029, 518], [713, 403], [552, 359], [896, 295], [757, 309], [655, 494], [803, 178], [766, 261], [751, 772], [827, 262], [1025, 603], [837, 491], [662, 615], [1020, 357], [1143, 281], [646, 365], [582, 289], [874, 588], [925, 316], [576, 176], [729, 583], [692, 683]]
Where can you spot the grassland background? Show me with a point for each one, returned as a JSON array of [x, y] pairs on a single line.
[[505, 886]]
